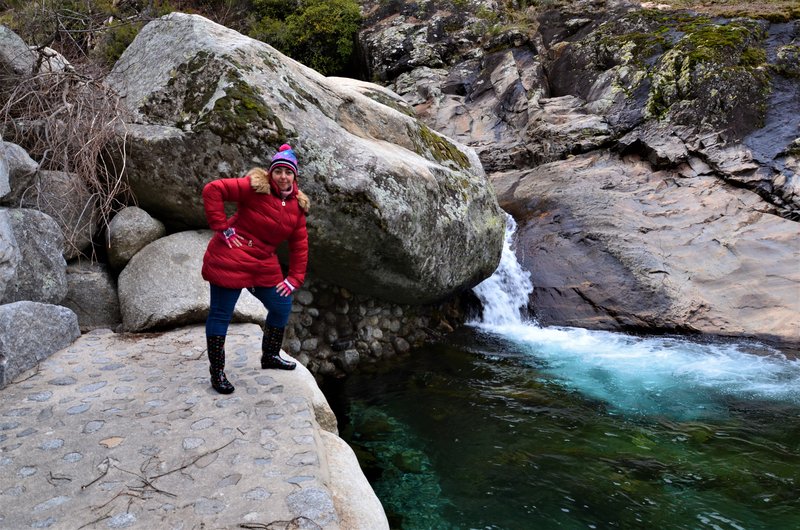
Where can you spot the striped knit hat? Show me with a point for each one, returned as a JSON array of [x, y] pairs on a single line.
[[284, 157]]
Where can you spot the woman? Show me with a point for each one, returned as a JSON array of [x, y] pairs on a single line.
[[270, 209]]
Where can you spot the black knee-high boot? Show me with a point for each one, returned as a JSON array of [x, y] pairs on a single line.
[[216, 359], [271, 349]]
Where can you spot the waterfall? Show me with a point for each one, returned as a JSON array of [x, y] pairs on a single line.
[[670, 375], [505, 293]]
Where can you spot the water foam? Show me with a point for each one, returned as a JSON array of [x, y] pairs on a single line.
[[650, 375]]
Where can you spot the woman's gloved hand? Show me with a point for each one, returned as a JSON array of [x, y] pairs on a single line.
[[232, 239], [284, 288]]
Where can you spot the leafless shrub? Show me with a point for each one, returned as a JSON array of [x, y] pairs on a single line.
[[72, 123]]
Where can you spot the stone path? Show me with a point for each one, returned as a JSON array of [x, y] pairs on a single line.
[[124, 432]]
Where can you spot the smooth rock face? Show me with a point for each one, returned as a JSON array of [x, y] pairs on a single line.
[[15, 56], [632, 247], [9, 253], [364, 510], [92, 295], [20, 176], [161, 287], [29, 333], [129, 231], [399, 212], [40, 275]]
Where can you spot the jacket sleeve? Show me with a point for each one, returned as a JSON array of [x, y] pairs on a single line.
[[298, 253], [216, 193]]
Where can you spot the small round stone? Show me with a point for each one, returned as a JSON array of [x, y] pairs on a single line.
[[205, 423], [121, 520], [93, 426], [52, 445], [192, 443], [112, 366], [92, 387], [63, 381], [46, 505], [79, 409], [26, 471], [72, 457], [40, 396], [257, 494]]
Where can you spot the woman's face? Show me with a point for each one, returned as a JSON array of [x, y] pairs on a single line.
[[283, 177]]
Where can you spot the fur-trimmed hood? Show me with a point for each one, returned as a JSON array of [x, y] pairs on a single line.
[[262, 183]]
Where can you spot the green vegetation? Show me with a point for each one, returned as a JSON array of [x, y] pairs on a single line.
[[702, 68], [319, 33], [96, 31]]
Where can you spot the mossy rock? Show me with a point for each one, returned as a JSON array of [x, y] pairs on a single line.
[[788, 60], [187, 101], [715, 77], [240, 111], [427, 141]]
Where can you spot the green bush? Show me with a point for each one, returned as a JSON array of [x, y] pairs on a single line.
[[319, 33], [82, 29]]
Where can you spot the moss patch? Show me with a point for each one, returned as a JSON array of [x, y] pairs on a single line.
[[189, 90], [427, 141], [240, 111], [715, 71]]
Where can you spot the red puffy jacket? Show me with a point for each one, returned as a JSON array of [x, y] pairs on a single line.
[[264, 220]]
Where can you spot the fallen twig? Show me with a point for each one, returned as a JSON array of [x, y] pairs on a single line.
[[190, 463], [103, 474]]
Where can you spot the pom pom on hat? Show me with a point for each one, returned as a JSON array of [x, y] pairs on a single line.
[[284, 157]]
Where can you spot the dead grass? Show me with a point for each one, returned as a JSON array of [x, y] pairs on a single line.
[[773, 10]]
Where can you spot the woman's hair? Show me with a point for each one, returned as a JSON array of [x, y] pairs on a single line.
[[259, 180]]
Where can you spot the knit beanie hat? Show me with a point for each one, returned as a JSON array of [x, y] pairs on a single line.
[[284, 157]]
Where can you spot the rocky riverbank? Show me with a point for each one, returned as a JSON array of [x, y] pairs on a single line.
[[124, 431]]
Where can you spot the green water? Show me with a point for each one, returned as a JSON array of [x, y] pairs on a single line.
[[480, 433]]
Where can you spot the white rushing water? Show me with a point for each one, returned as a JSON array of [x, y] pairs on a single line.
[[675, 376]]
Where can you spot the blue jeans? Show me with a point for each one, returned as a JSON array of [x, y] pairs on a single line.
[[223, 300]]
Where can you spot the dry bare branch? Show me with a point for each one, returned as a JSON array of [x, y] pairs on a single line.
[[70, 123]]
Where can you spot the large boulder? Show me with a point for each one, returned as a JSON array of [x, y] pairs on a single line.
[[130, 231], [161, 287], [356, 504], [20, 175], [29, 333], [399, 212], [92, 295], [40, 275], [483, 102], [633, 248], [15, 56], [693, 118], [10, 255]]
